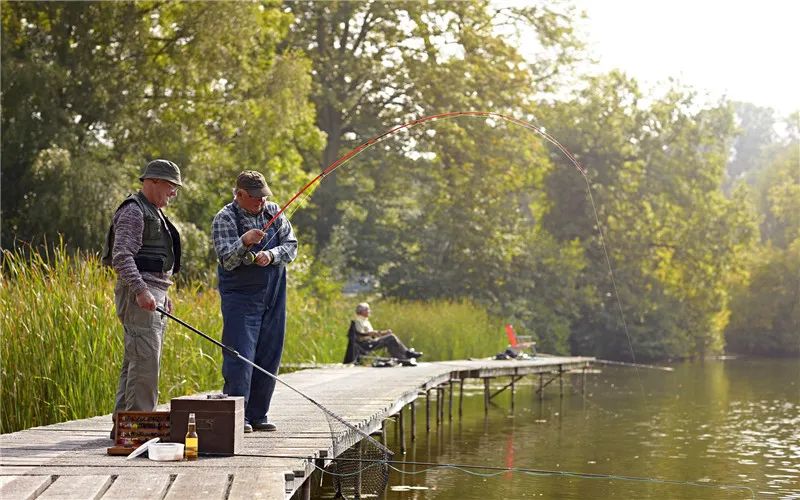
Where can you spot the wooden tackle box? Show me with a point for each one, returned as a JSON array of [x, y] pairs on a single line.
[[134, 428]]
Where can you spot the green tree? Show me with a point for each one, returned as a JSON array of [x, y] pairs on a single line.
[[93, 90], [754, 139], [765, 315], [674, 241], [377, 63]]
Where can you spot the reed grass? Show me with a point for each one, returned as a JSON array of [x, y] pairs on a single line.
[[61, 342]]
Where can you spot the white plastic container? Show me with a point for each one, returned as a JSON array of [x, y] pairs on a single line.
[[165, 452]]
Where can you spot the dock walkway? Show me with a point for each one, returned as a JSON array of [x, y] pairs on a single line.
[[69, 460]]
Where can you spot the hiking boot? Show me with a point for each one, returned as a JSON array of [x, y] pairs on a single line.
[[264, 425]]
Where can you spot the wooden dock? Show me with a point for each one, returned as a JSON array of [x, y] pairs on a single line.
[[69, 460]]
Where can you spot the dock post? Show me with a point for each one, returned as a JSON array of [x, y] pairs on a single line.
[[320, 463], [583, 380], [383, 432], [413, 421], [402, 431], [513, 379], [440, 396], [486, 395], [427, 410], [460, 397], [541, 387], [560, 381], [450, 403], [438, 405]]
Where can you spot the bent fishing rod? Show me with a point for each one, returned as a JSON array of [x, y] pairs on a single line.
[[540, 131], [413, 123]]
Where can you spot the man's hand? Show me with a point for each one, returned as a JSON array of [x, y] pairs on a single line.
[[169, 305], [263, 258], [145, 300], [252, 237]]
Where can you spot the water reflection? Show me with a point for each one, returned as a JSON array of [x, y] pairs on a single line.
[[731, 422]]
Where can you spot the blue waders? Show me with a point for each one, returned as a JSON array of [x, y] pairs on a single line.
[[254, 324]]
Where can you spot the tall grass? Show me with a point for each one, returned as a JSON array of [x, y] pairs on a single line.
[[442, 330], [61, 342]]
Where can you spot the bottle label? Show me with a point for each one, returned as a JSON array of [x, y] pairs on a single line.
[[191, 445]]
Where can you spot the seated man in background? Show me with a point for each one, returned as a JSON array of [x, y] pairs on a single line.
[[380, 338]]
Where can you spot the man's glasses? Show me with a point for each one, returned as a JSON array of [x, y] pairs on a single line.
[[173, 188]]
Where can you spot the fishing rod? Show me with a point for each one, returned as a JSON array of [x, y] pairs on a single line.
[[307, 191], [413, 123]]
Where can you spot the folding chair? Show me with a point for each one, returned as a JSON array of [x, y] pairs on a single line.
[[355, 347], [519, 342]]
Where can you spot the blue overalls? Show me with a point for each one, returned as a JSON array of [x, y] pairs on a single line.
[[254, 324]]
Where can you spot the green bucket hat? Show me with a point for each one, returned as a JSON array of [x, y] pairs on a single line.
[[162, 169]]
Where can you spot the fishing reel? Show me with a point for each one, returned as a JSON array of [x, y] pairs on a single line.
[[249, 258]]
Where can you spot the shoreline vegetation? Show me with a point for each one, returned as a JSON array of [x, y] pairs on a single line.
[[62, 343]]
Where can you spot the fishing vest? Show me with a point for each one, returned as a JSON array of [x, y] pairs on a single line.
[[161, 243]]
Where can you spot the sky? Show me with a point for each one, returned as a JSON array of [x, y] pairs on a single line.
[[744, 50]]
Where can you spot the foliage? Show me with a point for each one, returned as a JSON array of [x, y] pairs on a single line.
[[754, 138], [442, 330], [673, 240], [93, 90], [778, 197], [765, 317], [765, 314], [377, 63]]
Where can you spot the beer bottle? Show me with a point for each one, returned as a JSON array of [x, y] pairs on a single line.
[[191, 444]]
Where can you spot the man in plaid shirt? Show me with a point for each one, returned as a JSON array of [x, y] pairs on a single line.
[[252, 286]]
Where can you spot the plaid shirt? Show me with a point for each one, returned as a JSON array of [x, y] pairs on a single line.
[[229, 246]]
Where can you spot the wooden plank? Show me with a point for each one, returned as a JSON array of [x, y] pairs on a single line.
[[206, 485], [23, 487], [260, 486], [139, 486], [72, 487]]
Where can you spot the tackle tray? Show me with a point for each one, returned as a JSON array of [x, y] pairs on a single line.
[[134, 428]]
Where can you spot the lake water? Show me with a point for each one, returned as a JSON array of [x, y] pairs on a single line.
[[675, 435]]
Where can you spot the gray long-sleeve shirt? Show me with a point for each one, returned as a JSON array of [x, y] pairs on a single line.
[[128, 227]]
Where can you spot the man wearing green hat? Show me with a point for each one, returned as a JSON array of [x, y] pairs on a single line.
[[144, 249]]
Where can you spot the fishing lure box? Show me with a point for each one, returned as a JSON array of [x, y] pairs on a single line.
[[219, 418], [134, 428]]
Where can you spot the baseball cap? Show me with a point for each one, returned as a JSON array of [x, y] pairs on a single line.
[[254, 183]]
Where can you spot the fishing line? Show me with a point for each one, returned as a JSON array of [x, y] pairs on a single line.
[[345, 158], [496, 471], [236, 354]]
